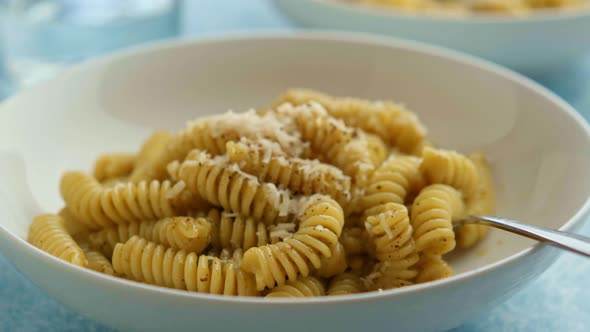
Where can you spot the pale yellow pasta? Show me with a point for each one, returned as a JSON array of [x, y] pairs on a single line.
[[319, 228], [432, 267], [361, 264], [378, 150], [450, 167], [317, 196], [97, 261], [392, 182], [345, 284], [97, 207], [48, 233], [510, 7], [301, 176], [186, 233], [151, 263], [330, 138], [391, 234], [433, 213], [148, 157], [73, 226], [394, 124], [355, 240], [213, 132], [335, 264], [482, 202], [113, 166], [302, 287], [233, 231], [229, 187]]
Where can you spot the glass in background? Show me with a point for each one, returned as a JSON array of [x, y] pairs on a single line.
[[39, 37]]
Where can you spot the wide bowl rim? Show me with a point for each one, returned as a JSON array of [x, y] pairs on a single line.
[[538, 15], [354, 38]]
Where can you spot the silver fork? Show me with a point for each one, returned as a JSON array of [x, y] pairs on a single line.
[[569, 241]]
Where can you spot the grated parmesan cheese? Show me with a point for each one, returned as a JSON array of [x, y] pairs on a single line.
[[386, 228], [173, 168], [176, 189], [285, 201], [279, 234], [249, 124], [290, 227]]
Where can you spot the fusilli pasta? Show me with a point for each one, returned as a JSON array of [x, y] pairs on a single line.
[[302, 287], [320, 226], [433, 213], [345, 284], [155, 264], [395, 125], [97, 261], [337, 143], [149, 157], [233, 231], [113, 166], [301, 176], [48, 233], [98, 207], [278, 202], [450, 167], [391, 233], [482, 202], [433, 267], [186, 233]]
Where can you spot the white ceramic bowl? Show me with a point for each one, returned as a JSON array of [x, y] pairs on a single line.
[[538, 146], [536, 44]]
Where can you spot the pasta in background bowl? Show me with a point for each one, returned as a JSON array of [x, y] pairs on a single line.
[[535, 42], [471, 7], [115, 103]]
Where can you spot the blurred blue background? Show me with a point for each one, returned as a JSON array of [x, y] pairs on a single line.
[[557, 301]]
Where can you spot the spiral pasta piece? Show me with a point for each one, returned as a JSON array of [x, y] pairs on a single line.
[[451, 168], [113, 165], [433, 212], [48, 233], [212, 133], [302, 287], [330, 138], [391, 234], [149, 157], [73, 226], [97, 261], [301, 176], [394, 124], [345, 284], [335, 264], [392, 182], [230, 188], [482, 202], [319, 228], [433, 267], [378, 150], [360, 264], [355, 240], [233, 231], [186, 233], [99, 207], [155, 264]]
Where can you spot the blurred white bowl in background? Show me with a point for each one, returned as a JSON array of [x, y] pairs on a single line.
[[533, 44]]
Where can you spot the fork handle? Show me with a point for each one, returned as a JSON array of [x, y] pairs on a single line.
[[569, 241]]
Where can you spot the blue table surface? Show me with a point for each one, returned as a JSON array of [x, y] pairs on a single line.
[[559, 300]]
